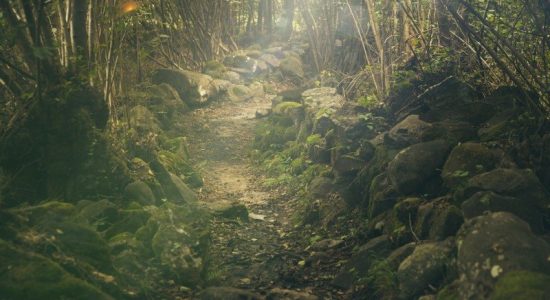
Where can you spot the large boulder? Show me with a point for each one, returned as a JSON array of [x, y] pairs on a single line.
[[465, 161], [193, 88], [493, 245], [409, 131], [516, 183], [411, 168], [424, 268]]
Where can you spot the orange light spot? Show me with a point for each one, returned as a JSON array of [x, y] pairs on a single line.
[[129, 6]]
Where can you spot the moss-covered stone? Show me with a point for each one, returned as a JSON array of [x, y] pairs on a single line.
[[291, 67], [98, 214], [414, 166], [177, 164], [79, 241], [24, 275], [139, 191], [131, 220], [522, 285], [465, 161], [424, 268], [125, 241]]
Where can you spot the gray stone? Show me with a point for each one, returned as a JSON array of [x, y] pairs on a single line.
[[465, 161], [492, 245], [409, 131], [425, 267], [516, 183], [414, 166]]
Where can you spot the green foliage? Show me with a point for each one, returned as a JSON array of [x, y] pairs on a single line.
[[368, 101], [314, 139]]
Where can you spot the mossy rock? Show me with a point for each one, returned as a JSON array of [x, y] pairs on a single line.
[[25, 275], [132, 220], [125, 241], [286, 107], [79, 241], [522, 285], [139, 191], [177, 164], [232, 211], [99, 214], [291, 66]]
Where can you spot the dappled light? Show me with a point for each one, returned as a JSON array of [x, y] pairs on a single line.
[[274, 149]]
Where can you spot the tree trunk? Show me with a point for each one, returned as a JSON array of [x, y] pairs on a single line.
[[80, 36], [289, 8]]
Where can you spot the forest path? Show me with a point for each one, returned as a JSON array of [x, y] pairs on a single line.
[[263, 253]]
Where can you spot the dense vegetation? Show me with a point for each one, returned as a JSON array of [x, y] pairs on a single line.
[[407, 140]]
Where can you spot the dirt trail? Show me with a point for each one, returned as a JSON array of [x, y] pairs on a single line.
[[263, 253]]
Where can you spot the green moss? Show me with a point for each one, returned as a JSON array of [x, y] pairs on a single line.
[[132, 220], [24, 275], [522, 285], [285, 107], [367, 101], [81, 242], [177, 164], [314, 139]]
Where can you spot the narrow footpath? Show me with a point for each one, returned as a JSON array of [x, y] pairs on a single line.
[[263, 254]]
